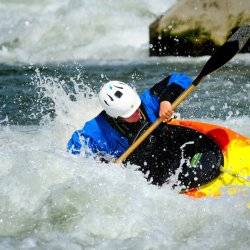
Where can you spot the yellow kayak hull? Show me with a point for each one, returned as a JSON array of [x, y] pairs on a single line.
[[235, 173]]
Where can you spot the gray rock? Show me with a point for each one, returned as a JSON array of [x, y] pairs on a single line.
[[197, 27]]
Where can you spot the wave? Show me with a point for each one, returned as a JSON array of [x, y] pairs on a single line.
[[62, 30]]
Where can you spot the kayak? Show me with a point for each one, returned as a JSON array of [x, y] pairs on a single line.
[[235, 172]]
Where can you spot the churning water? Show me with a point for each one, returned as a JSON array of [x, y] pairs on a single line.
[[50, 199], [59, 30]]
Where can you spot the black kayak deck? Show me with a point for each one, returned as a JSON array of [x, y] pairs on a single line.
[[178, 155]]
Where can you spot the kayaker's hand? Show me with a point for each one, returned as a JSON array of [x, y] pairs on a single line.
[[166, 110]]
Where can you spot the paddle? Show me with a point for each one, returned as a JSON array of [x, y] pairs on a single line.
[[232, 46]]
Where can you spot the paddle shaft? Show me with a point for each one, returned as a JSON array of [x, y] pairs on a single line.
[[235, 43], [153, 126]]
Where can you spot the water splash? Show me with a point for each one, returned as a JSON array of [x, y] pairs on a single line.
[[51, 199], [65, 30]]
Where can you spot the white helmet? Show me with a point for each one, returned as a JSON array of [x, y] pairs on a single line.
[[119, 99]]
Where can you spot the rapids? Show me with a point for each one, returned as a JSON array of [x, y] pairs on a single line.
[[54, 55]]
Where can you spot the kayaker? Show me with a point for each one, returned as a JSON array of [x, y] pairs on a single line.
[[125, 116]]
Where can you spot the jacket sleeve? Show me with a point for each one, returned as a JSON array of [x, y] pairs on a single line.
[[171, 87], [78, 141], [74, 144], [97, 138], [91, 148]]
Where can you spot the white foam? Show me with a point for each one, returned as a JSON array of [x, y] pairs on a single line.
[[62, 30], [66, 202], [240, 124]]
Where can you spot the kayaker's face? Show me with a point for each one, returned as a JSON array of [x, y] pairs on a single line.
[[133, 118]]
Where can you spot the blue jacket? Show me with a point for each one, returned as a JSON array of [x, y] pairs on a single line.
[[100, 137]]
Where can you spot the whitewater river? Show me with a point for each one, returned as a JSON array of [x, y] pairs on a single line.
[[49, 78]]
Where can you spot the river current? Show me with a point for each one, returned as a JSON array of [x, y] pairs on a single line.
[[49, 79]]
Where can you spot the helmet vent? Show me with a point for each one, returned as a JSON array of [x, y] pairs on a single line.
[[106, 102], [118, 94], [111, 98], [118, 87]]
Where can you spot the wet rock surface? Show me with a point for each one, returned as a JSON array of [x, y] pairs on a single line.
[[196, 28]]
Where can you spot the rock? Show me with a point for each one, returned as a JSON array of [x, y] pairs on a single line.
[[197, 27]]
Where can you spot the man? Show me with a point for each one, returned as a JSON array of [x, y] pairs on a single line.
[[125, 116]]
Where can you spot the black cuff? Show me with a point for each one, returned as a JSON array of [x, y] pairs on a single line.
[[171, 93], [159, 87]]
